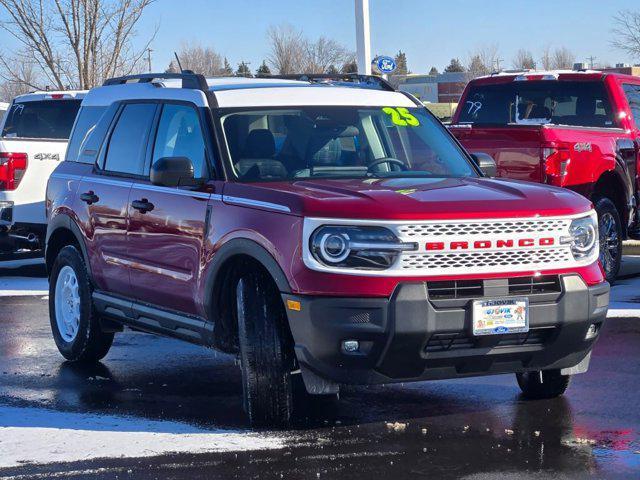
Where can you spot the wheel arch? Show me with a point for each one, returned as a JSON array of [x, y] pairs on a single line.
[[227, 261], [612, 186], [63, 231]]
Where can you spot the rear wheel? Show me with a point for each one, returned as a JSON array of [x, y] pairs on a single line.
[[610, 229], [74, 324], [544, 384], [266, 352]]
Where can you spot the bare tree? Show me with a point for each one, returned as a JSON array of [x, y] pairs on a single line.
[[291, 52], [483, 61], [204, 60], [545, 59], [562, 59], [287, 49], [626, 32], [76, 42], [524, 60], [321, 54], [23, 79]]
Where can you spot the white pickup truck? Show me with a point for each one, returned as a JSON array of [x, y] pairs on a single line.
[[33, 139]]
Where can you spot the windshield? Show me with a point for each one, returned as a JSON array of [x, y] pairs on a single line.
[[41, 119], [537, 103], [340, 142]]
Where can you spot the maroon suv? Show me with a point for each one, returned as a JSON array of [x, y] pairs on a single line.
[[322, 232]]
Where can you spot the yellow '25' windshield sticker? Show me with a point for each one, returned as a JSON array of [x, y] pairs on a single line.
[[400, 116]]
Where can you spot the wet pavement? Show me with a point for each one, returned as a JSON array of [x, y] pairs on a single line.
[[475, 428]]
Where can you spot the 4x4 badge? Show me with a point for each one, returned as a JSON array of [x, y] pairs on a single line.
[[47, 156]]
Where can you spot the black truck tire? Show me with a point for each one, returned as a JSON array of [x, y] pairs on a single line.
[[74, 323], [266, 352], [545, 384], [610, 230]]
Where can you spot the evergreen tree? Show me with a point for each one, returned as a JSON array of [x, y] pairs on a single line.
[[227, 70], [350, 67], [454, 66], [243, 70], [433, 71], [263, 70], [401, 64], [332, 70]]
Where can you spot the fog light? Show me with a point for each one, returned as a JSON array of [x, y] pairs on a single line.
[[591, 332], [351, 346]]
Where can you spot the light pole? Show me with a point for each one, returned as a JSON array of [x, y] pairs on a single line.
[[363, 37]]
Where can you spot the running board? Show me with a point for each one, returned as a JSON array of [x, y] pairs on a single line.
[[152, 319]]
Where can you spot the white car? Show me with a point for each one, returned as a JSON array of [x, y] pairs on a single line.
[[4, 106], [33, 139]]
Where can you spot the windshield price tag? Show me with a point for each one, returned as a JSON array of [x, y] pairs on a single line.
[[400, 116]]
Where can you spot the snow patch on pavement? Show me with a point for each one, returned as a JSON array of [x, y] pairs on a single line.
[[23, 286], [625, 298], [33, 435]]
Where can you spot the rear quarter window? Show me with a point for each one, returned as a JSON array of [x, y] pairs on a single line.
[[47, 119], [632, 92], [88, 118]]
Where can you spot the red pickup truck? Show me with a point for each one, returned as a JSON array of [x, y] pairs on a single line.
[[574, 129]]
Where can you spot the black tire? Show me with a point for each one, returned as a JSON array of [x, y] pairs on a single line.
[[610, 229], [266, 352], [553, 384], [90, 343]]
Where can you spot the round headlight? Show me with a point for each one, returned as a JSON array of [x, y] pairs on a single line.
[[334, 247], [584, 237]]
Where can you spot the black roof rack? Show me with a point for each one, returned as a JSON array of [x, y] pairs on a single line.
[[189, 79], [344, 79]]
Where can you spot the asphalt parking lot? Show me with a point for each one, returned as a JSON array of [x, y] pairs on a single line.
[[157, 408]]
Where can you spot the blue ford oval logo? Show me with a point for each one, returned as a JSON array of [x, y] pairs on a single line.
[[385, 64], [501, 330]]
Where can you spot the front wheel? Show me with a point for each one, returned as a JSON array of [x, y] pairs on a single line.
[[610, 228], [543, 384], [74, 324], [266, 351]]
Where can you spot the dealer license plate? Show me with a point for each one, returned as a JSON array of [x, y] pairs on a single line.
[[500, 316]]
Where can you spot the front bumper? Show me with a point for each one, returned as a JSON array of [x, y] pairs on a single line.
[[411, 337]]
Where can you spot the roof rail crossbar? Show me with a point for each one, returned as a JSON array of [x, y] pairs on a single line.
[[189, 79], [366, 81]]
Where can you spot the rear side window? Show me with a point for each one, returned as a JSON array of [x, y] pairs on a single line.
[[87, 119], [180, 135], [633, 97], [537, 103], [50, 119], [128, 142]]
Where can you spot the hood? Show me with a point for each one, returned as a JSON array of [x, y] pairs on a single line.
[[418, 199]]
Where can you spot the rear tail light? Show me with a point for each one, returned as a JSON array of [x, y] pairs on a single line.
[[12, 168], [556, 161]]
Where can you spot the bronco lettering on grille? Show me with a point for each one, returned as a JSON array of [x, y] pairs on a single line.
[[484, 244]]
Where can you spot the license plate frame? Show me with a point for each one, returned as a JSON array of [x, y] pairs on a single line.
[[500, 316]]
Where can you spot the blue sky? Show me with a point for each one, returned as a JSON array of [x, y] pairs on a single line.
[[430, 32]]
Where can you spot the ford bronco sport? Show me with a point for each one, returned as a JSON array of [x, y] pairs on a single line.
[[33, 140], [574, 129], [332, 234]]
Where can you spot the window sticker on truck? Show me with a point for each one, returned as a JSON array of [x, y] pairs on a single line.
[[400, 116]]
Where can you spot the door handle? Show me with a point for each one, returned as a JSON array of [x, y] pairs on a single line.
[[143, 206], [89, 197]]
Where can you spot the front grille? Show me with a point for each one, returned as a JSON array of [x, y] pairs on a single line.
[[455, 289], [444, 262], [496, 227], [460, 289], [445, 342], [534, 285]]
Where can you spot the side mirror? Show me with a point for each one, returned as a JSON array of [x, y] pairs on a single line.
[[486, 163], [173, 172]]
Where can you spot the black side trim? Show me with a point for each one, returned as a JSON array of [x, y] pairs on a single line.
[[151, 319]]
